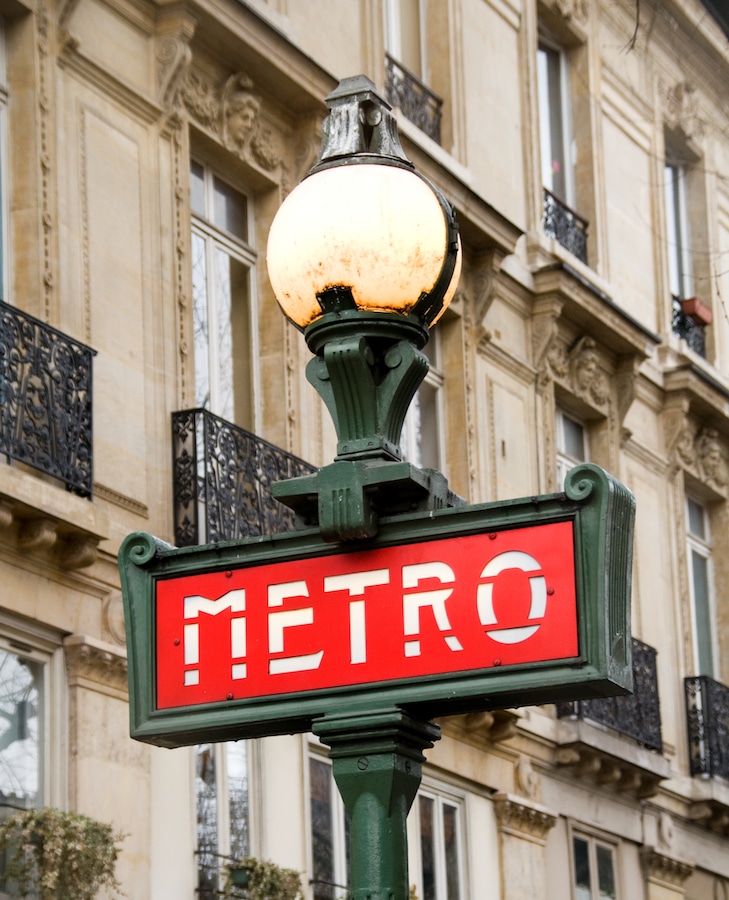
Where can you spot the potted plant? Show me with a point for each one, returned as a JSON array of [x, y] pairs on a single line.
[[258, 879], [55, 855]]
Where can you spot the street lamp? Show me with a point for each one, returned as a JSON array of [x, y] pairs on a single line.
[[364, 257]]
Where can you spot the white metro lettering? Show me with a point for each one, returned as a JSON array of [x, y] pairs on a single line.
[[279, 621], [436, 599], [355, 583], [512, 559], [235, 601]]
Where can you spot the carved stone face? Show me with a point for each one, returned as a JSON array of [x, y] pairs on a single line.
[[241, 117]]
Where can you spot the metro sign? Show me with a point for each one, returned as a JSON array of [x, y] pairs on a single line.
[[459, 609]]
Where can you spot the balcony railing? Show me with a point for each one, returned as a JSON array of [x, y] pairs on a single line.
[[45, 399], [564, 225], [222, 481], [637, 715], [686, 327], [414, 99], [707, 714]]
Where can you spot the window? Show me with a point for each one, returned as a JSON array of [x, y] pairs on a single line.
[[223, 304], [421, 434], [329, 833], [700, 584], [438, 825], [404, 35], [593, 869], [572, 445], [677, 232], [223, 814], [31, 668], [555, 125]]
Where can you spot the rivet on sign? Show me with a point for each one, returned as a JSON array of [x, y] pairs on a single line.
[[493, 536], [497, 662], [176, 642], [550, 591], [228, 574], [228, 696]]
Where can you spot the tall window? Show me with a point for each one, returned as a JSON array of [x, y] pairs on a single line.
[[555, 123], [572, 445], [223, 816], [677, 232], [329, 833], [593, 869], [404, 34], [439, 832], [421, 434], [223, 304], [700, 580]]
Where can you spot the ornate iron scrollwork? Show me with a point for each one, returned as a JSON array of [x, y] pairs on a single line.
[[637, 715], [222, 477], [694, 333], [414, 99], [564, 225], [707, 715], [46, 399]]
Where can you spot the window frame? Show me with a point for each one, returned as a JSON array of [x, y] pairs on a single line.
[[317, 752], [594, 840], [244, 252], [564, 460], [443, 794], [222, 799], [393, 28], [411, 432], [702, 546], [550, 47], [678, 229]]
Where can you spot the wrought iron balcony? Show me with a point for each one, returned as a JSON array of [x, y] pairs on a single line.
[[45, 399], [686, 327], [707, 715], [222, 480], [414, 99], [565, 226], [637, 715]]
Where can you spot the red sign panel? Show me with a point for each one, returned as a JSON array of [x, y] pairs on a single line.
[[431, 608]]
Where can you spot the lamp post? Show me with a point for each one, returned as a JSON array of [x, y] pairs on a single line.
[[364, 257]]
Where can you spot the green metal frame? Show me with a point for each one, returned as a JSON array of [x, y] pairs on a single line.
[[602, 511]]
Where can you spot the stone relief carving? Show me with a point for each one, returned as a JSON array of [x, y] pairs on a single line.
[[527, 780], [174, 57], [666, 869], [520, 817], [702, 452], [710, 458], [682, 109], [231, 111], [588, 381], [573, 9]]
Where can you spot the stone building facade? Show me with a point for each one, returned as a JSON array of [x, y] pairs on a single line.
[[145, 147]]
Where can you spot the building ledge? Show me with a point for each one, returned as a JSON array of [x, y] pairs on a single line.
[[42, 519], [594, 755], [709, 804]]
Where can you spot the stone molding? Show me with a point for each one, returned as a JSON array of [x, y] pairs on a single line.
[[95, 664], [522, 818], [666, 871]]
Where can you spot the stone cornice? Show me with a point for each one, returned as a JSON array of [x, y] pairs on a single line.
[[522, 818], [665, 870], [96, 665]]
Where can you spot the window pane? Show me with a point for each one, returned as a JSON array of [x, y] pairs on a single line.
[[207, 820], [237, 773], [21, 717], [574, 439], [551, 121], [232, 394], [702, 613], [427, 846], [322, 833], [197, 189], [201, 325], [581, 855], [696, 520], [450, 845], [605, 874], [230, 209]]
